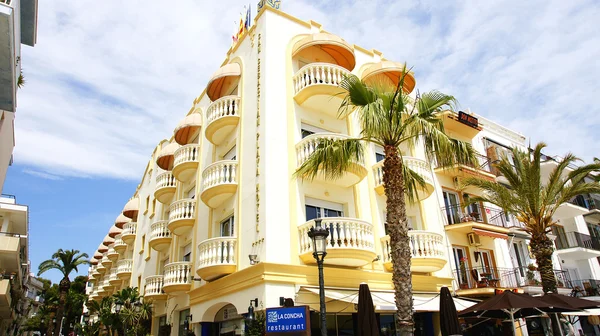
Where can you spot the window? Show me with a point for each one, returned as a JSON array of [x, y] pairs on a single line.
[[139, 281], [186, 253], [318, 209], [460, 255], [191, 194], [473, 210], [231, 154], [451, 207], [227, 227], [147, 205], [162, 264], [379, 156], [306, 130], [184, 316], [153, 206], [143, 244]]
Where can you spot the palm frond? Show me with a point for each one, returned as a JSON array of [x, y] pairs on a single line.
[[331, 158]]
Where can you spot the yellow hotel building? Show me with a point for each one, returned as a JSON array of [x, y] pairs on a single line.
[[218, 219]]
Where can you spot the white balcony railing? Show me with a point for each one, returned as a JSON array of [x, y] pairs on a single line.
[[119, 244], [417, 165], [113, 275], [129, 229], [344, 233], [307, 146], [182, 210], [318, 74], [124, 266], [220, 173], [227, 106], [159, 230], [165, 180], [154, 285], [187, 153], [423, 244], [217, 251], [177, 273]]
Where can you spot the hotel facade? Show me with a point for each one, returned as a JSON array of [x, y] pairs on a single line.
[[219, 220]]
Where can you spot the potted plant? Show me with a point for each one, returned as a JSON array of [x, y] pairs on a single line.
[[464, 284], [531, 281]]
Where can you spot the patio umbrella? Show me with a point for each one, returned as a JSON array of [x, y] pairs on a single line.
[[568, 301], [367, 321], [511, 305], [448, 316]]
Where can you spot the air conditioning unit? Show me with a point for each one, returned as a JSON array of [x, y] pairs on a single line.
[[473, 239]]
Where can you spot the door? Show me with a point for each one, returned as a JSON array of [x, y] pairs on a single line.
[[451, 206], [561, 237], [473, 210], [462, 265], [231, 154], [186, 253], [227, 227], [486, 265], [519, 260]]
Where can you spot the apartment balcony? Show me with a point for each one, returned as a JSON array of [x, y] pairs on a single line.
[[113, 279], [531, 281], [119, 245], [106, 285], [166, 156], [219, 182], [166, 186], [105, 261], [426, 251], [577, 246], [483, 281], [461, 125], [95, 296], [417, 165], [482, 220], [354, 174], [569, 210], [131, 208], [9, 51], [186, 162], [223, 81], [154, 288], [129, 232], [389, 74], [482, 170], [5, 298], [350, 242], [112, 254], [585, 287], [217, 257], [101, 269], [182, 216], [160, 236], [10, 247], [222, 117], [177, 277], [124, 268], [316, 86]]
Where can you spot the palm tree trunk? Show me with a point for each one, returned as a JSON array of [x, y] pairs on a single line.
[[393, 182], [63, 287], [542, 249]]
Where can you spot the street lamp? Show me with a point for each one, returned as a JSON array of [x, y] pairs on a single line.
[[319, 235], [118, 307], [137, 306], [86, 318]]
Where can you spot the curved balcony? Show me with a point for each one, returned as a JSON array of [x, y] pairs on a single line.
[[219, 182], [101, 291], [154, 288], [95, 296], [105, 261], [182, 216], [222, 117], [101, 269], [186, 162], [124, 268], [129, 231], [389, 74], [217, 257], [350, 242], [355, 173], [165, 187], [223, 81], [107, 286], [426, 251], [112, 254], [160, 236], [418, 166], [178, 277], [316, 86], [113, 279], [119, 244]]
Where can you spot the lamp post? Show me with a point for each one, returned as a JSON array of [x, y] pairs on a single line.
[[319, 235]]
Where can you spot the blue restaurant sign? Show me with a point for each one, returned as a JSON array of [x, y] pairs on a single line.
[[288, 320]]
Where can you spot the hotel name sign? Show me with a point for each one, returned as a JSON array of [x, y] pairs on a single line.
[[468, 119]]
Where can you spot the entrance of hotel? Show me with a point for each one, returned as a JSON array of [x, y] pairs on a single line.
[[346, 324]]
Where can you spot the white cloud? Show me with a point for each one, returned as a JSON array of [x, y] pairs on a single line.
[[108, 80], [41, 174]]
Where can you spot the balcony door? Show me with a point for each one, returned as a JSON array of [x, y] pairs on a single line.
[[451, 206], [306, 130], [486, 263], [231, 154], [227, 227], [561, 237], [319, 209], [460, 253], [186, 253]]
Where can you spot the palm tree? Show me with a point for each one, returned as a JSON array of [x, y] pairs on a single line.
[[65, 262], [391, 119], [135, 312], [534, 201]]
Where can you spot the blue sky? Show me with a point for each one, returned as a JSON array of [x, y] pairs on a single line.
[[108, 80]]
